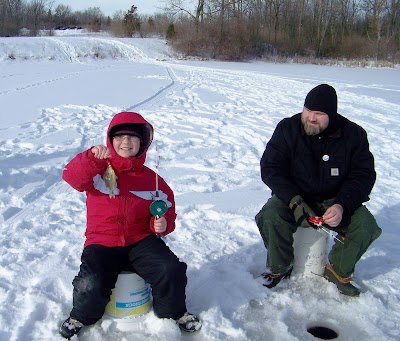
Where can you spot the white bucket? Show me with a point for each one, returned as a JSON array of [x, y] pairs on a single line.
[[131, 296], [310, 251]]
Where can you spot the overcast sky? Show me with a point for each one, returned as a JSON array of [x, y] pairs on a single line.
[[109, 7]]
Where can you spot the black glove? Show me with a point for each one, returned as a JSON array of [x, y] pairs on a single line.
[[301, 211]]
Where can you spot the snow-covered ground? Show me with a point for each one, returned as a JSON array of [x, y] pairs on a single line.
[[212, 121]]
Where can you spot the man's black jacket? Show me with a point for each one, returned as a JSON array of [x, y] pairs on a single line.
[[337, 164]]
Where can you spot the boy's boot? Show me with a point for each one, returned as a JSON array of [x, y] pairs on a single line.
[[70, 327], [189, 323]]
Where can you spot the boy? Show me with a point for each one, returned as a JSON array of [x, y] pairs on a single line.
[[120, 230]]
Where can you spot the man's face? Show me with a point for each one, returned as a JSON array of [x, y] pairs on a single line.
[[314, 122]]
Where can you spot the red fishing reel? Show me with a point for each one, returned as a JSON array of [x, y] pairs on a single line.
[[317, 221]]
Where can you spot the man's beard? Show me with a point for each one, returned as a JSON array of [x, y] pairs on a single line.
[[311, 129]]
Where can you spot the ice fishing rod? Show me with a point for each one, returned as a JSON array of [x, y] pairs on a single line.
[[158, 207], [318, 223]]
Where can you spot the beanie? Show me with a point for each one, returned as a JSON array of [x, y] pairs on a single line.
[[126, 129], [322, 98]]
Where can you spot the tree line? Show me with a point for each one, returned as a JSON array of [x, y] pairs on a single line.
[[40, 15], [236, 29]]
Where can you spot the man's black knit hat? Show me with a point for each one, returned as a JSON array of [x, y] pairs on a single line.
[[322, 98]]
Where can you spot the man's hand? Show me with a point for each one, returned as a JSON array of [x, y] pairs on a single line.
[[101, 152], [301, 211], [333, 215], [160, 225]]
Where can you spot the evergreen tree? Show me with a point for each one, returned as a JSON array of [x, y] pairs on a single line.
[[131, 21], [170, 34]]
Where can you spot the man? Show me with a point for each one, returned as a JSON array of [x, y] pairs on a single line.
[[318, 163]]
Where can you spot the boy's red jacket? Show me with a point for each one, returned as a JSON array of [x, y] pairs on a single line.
[[126, 218]]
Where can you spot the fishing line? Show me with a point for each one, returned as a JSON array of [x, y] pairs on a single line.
[[158, 157]]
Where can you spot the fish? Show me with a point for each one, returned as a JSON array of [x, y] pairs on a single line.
[[110, 179]]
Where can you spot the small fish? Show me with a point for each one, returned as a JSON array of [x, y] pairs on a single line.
[[110, 180]]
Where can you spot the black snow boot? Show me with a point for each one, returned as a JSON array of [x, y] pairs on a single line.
[[70, 327], [189, 323], [272, 280]]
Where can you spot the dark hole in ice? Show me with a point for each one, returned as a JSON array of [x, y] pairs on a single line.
[[323, 333]]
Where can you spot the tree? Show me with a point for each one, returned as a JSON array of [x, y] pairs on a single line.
[[93, 18], [378, 25], [131, 21], [178, 6], [11, 13], [170, 34], [36, 14], [62, 15]]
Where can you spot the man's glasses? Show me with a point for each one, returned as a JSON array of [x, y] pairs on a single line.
[[131, 138]]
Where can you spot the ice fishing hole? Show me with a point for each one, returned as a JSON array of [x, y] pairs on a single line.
[[323, 333]]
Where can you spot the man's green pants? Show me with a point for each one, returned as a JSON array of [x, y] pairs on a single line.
[[277, 226]]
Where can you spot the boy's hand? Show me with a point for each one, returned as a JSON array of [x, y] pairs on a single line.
[[101, 152], [160, 224]]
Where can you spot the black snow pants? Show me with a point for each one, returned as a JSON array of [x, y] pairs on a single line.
[[150, 258]]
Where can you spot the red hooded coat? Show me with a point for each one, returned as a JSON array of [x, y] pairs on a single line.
[[124, 219]]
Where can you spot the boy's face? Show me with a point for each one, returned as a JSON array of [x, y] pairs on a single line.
[[126, 145]]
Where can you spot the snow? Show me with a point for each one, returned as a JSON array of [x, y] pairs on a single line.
[[212, 121]]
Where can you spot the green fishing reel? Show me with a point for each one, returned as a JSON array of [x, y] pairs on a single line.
[[158, 208]]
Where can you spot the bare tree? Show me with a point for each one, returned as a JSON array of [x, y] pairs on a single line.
[[349, 9], [377, 13], [36, 14], [11, 15], [178, 6], [92, 18], [63, 15], [394, 20]]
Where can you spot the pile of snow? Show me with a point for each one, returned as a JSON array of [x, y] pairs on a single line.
[[81, 46]]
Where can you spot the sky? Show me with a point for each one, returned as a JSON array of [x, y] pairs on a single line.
[[109, 7], [212, 121]]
